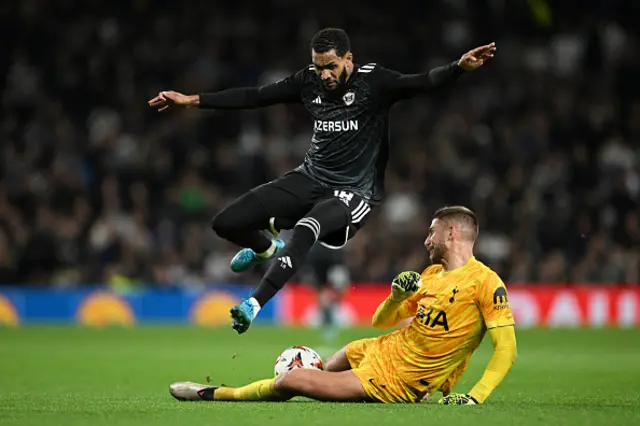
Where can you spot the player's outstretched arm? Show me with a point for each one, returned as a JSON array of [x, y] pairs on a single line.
[[171, 99], [286, 90], [475, 58], [504, 355], [396, 86], [493, 302], [397, 307]]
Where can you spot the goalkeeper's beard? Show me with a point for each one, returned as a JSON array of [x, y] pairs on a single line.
[[436, 255]]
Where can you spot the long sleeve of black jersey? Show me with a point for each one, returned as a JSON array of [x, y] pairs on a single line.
[[286, 90], [395, 86]]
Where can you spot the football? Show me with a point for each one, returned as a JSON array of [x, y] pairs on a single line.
[[297, 357]]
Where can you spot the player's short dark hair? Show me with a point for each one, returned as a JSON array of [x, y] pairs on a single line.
[[460, 214], [331, 38]]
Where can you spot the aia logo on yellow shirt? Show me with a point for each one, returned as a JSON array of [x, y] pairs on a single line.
[[430, 320]]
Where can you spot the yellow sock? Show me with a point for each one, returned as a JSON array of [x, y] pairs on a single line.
[[263, 390]]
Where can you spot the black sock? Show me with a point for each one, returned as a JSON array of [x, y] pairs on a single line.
[[287, 264], [325, 218]]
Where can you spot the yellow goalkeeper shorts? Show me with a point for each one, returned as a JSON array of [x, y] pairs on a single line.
[[377, 375]]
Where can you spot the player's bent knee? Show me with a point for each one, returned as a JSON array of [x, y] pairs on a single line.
[[233, 218], [338, 361], [289, 384], [245, 213], [223, 223]]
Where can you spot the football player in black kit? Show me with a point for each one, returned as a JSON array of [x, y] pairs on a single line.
[[330, 195]]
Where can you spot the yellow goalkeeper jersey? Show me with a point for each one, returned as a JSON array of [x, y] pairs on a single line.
[[452, 312]]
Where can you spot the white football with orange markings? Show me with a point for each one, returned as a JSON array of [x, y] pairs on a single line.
[[297, 357]]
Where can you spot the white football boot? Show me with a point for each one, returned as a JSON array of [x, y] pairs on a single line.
[[190, 391]]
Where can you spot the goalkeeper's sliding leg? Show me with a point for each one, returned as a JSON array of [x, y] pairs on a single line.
[[318, 385]]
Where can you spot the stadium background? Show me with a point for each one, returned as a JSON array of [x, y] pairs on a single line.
[[105, 204], [97, 189]]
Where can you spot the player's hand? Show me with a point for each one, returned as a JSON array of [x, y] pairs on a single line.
[[170, 99], [477, 57], [458, 399], [404, 285]]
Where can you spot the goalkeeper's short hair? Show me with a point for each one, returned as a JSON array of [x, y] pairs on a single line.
[[462, 215]]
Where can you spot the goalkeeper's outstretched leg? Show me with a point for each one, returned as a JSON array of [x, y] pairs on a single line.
[[319, 385]]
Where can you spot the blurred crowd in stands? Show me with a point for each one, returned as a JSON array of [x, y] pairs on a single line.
[[543, 143]]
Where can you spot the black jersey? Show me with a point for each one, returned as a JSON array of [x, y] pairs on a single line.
[[350, 142]]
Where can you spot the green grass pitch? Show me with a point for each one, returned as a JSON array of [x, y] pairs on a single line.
[[74, 376]]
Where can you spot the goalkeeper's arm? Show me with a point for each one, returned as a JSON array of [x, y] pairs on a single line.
[[396, 307], [504, 355], [505, 352]]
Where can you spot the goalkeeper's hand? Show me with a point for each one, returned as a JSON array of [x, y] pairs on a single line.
[[458, 399], [404, 285]]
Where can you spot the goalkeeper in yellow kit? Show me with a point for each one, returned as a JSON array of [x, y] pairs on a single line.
[[453, 303]]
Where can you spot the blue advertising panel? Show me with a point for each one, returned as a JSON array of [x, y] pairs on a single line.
[[101, 306]]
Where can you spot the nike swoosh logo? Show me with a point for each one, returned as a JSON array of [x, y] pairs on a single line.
[[381, 386]]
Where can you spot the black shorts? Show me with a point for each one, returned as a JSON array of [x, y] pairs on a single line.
[[293, 195]]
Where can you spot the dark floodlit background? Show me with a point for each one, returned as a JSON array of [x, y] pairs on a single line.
[[95, 187], [105, 204]]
